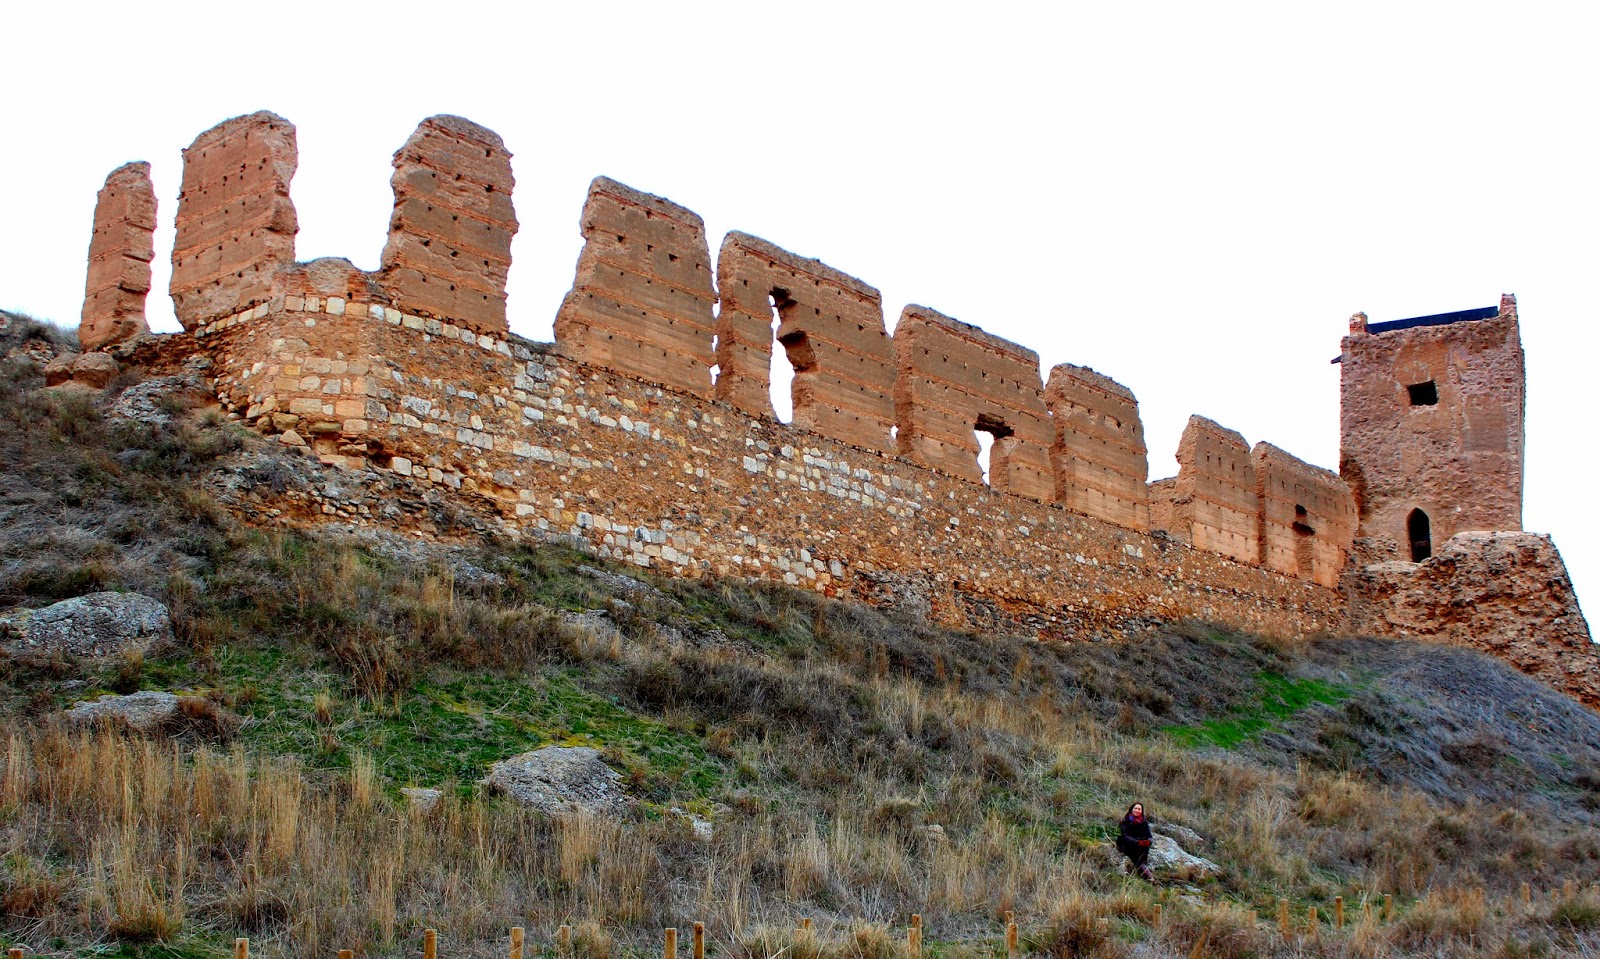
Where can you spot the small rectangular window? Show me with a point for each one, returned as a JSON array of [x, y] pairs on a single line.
[[1423, 394]]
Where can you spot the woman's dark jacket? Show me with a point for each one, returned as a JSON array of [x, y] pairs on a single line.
[[1133, 830]]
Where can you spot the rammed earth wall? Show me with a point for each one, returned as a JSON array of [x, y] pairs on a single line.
[[667, 480]]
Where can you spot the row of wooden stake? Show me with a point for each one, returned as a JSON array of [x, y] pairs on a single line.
[[430, 939]]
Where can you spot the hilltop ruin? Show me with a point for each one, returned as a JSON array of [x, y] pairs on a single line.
[[646, 430]]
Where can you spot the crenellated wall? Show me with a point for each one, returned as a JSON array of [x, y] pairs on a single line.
[[646, 432], [120, 252], [1098, 456], [954, 379], [641, 302], [831, 331]]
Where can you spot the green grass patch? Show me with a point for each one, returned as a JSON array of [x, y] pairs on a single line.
[[1278, 697]]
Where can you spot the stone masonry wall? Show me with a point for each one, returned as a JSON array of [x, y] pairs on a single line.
[[832, 331], [665, 480], [1307, 517], [953, 378], [1214, 500], [1098, 456], [1458, 460], [449, 246], [641, 302], [236, 223], [120, 252]]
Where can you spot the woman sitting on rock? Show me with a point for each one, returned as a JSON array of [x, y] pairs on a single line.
[[1133, 840]]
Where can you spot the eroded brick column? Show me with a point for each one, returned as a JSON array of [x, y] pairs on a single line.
[[1307, 516], [953, 379], [1214, 500], [236, 223], [449, 246], [831, 331], [1099, 455], [119, 258], [641, 302]]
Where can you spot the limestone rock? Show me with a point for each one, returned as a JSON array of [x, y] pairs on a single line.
[[151, 402], [559, 779], [97, 624], [1171, 860], [94, 370], [421, 799], [145, 711], [58, 371]]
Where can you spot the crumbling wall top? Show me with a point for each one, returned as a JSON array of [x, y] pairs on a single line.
[[120, 252]]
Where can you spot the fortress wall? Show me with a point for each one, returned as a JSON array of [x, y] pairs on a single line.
[[1214, 499], [449, 246], [120, 251], [1307, 517], [1098, 456], [236, 223], [953, 378], [832, 331], [641, 302], [665, 480]]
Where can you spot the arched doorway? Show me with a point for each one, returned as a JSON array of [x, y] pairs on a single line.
[[1420, 534]]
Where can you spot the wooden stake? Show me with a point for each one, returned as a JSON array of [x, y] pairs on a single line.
[[1011, 940], [1156, 919], [1199, 946], [669, 949], [1311, 922], [1366, 910], [430, 944], [1569, 888], [516, 942], [1283, 917], [1338, 912], [1388, 907], [805, 924], [915, 936], [563, 940], [1527, 894], [347, 954], [241, 950], [699, 940], [15, 952]]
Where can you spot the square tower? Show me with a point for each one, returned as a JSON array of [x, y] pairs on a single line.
[[1431, 427]]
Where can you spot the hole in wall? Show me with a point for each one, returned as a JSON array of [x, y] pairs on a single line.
[[1420, 534], [1423, 394]]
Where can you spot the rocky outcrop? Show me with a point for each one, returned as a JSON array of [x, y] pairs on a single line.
[[1505, 593], [559, 779], [93, 370], [145, 711], [97, 624]]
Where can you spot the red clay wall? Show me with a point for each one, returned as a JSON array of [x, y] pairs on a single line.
[[1459, 461], [1214, 503], [832, 332], [1099, 453], [953, 378], [120, 252], [1307, 517], [641, 302], [236, 223], [449, 246]]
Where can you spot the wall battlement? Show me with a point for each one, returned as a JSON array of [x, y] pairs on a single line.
[[646, 430]]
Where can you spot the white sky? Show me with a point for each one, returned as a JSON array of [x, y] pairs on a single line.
[[1191, 198]]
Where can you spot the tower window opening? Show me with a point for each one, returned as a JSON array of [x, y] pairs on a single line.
[[1420, 535], [1423, 394]]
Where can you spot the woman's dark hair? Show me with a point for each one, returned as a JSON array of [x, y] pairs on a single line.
[[1129, 813]]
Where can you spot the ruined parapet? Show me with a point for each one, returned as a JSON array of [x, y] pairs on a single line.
[[1163, 493], [449, 246], [236, 223], [119, 258], [1214, 504], [641, 302], [1307, 517], [1098, 457], [1505, 593], [831, 330], [953, 379], [1431, 426]]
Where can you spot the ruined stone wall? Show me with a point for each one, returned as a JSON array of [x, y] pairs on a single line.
[[1459, 460], [449, 246], [1307, 517], [832, 332], [661, 479], [1098, 456], [236, 223], [120, 252], [1506, 593], [1214, 504], [952, 379], [641, 302]]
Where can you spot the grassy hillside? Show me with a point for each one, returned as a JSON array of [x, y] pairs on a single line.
[[325, 671]]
